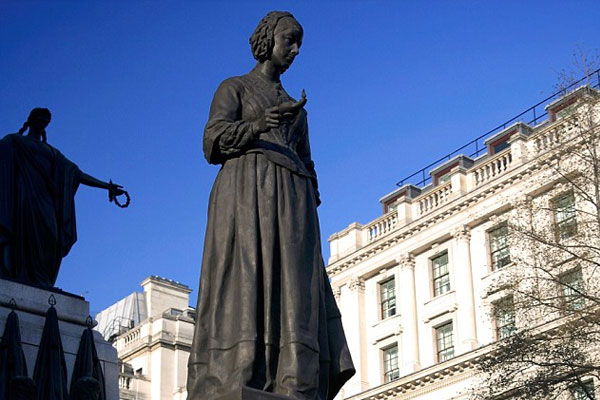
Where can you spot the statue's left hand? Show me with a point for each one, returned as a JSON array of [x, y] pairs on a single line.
[[292, 108]]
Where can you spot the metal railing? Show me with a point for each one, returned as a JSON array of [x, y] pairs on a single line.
[[476, 147]]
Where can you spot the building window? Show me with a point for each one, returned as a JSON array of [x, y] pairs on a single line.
[[504, 315], [445, 342], [391, 371], [564, 216], [387, 294], [441, 274], [583, 391], [444, 178], [572, 291], [499, 247], [501, 146]]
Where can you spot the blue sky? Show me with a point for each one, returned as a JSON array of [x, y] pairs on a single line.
[[391, 86]]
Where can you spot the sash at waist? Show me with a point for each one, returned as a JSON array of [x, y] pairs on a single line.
[[280, 155]]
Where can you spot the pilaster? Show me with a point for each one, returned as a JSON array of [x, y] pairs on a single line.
[[353, 317], [463, 282], [408, 304]]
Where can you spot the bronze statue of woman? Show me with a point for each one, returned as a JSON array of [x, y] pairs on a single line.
[[37, 206], [266, 316]]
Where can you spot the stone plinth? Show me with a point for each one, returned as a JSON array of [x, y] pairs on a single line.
[[72, 310], [246, 393]]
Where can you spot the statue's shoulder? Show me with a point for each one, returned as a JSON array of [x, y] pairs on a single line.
[[235, 82], [10, 138]]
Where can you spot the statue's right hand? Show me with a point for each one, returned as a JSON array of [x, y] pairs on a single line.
[[270, 119], [114, 190]]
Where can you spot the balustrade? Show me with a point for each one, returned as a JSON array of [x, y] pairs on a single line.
[[493, 168], [550, 138], [382, 226], [546, 137], [131, 337], [432, 200]]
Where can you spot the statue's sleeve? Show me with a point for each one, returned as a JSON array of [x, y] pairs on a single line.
[[226, 134], [303, 151]]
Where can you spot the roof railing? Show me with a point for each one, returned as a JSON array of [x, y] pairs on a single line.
[[477, 145]]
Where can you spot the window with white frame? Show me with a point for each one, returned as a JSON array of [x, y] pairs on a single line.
[[387, 295], [565, 219], [444, 335], [441, 274], [583, 391], [391, 371], [573, 290], [499, 247], [504, 315]]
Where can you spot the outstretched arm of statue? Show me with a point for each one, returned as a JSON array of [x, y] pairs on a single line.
[[113, 188]]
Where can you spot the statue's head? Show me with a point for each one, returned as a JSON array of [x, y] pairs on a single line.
[[277, 30], [39, 118]]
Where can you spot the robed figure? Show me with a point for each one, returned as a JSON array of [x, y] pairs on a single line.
[[266, 315], [37, 206]]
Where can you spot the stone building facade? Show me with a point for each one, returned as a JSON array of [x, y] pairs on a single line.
[[152, 332], [413, 286]]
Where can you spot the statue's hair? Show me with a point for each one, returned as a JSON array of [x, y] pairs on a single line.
[[33, 115], [262, 39]]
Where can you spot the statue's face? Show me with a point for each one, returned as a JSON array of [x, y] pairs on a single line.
[[40, 122], [288, 39]]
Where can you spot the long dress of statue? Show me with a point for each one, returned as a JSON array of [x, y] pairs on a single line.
[[37, 206], [267, 318]]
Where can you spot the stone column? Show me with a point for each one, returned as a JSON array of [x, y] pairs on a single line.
[[353, 318], [408, 307], [466, 328]]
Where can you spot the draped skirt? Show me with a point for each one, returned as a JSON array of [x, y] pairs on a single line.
[[266, 315]]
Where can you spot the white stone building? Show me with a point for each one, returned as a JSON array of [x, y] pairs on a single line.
[[152, 332], [412, 284]]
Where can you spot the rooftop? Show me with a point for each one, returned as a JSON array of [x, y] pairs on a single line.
[[457, 180], [532, 116]]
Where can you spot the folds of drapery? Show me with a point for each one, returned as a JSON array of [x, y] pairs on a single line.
[[50, 373], [37, 209], [13, 366]]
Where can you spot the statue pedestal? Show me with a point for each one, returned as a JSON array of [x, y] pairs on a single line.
[[72, 310], [246, 393]]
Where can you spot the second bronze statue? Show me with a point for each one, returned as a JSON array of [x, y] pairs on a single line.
[[37, 205], [267, 322]]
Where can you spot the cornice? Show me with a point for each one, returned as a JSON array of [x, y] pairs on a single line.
[[431, 379], [454, 206], [446, 211]]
